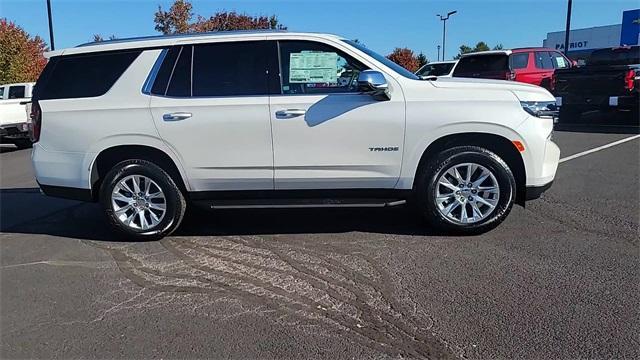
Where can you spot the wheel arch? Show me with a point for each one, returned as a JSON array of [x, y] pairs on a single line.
[[498, 144], [107, 158]]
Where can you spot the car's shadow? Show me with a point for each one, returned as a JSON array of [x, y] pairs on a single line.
[[26, 211]]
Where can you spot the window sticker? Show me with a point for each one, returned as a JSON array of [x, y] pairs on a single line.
[[560, 62], [313, 67]]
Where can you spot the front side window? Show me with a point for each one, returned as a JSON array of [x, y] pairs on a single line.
[[16, 92], [559, 61], [388, 63], [308, 67], [1, 93], [519, 61], [543, 60]]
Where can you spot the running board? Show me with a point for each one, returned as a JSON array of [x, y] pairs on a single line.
[[301, 203]]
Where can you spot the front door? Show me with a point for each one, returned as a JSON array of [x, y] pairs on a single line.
[[326, 134], [213, 111]]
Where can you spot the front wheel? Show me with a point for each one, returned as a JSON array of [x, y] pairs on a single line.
[[141, 200], [466, 189]]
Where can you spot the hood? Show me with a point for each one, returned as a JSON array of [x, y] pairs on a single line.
[[524, 92]]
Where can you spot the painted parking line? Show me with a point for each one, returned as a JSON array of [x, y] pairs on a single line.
[[587, 152]]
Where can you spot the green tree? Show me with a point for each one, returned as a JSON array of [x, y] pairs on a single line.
[[178, 20], [99, 38], [480, 46], [422, 60], [21, 58]]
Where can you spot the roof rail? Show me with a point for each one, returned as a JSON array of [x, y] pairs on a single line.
[[179, 36]]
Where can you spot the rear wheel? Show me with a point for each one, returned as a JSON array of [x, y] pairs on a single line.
[[466, 189], [141, 200]]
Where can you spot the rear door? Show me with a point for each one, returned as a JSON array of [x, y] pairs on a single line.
[[544, 68], [213, 111], [12, 111]]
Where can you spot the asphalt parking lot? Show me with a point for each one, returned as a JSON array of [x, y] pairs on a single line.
[[559, 279]]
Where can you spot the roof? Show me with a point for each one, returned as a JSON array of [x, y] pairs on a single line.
[[508, 51], [168, 40]]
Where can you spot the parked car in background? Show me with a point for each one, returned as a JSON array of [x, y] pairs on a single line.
[[261, 119], [528, 65], [437, 68], [14, 122], [610, 80]]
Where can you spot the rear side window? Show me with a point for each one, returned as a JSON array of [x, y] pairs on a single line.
[[16, 92], [180, 81], [86, 75], [164, 72], [482, 63], [1, 93], [519, 61], [543, 60], [230, 69]]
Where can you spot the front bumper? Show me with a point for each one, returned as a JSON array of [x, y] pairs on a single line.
[[534, 192]]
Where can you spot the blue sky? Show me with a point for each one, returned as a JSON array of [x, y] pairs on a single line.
[[381, 25]]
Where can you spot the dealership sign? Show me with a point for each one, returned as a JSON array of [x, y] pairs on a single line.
[[585, 39], [630, 34]]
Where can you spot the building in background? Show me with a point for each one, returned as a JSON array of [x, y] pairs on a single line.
[[583, 41]]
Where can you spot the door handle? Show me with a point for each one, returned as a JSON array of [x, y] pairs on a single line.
[[290, 113], [176, 116]]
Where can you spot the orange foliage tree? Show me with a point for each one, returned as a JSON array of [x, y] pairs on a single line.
[[21, 58], [177, 20], [405, 58]]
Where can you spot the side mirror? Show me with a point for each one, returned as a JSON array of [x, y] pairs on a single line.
[[372, 82]]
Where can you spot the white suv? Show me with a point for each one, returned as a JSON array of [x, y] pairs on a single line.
[[278, 119]]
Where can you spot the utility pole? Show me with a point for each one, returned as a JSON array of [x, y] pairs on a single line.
[[53, 47], [438, 52], [444, 29], [567, 29]]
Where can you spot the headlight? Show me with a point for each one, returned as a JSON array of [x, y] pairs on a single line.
[[541, 109]]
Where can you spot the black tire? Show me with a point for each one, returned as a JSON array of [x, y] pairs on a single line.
[[23, 143], [427, 180], [175, 200]]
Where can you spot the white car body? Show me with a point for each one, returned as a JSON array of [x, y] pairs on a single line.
[[366, 144], [14, 119]]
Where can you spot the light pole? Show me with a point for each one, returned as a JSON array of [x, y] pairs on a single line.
[[50, 25], [567, 29], [438, 52], [444, 29]]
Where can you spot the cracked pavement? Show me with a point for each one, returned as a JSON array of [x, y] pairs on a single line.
[[559, 279]]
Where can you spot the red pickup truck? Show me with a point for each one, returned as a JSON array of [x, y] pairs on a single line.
[[529, 65]]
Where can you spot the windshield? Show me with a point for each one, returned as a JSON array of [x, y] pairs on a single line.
[[435, 69], [395, 67]]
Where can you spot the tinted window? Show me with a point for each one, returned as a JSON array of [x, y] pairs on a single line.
[[315, 68], [165, 70], [519, 61], [1, 92], [16, 92], [543, 60], [476, 65], [230, 69], [559, 61], [180, 80], [388, 63], [435, 69], [616, 56], [85, 75]]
